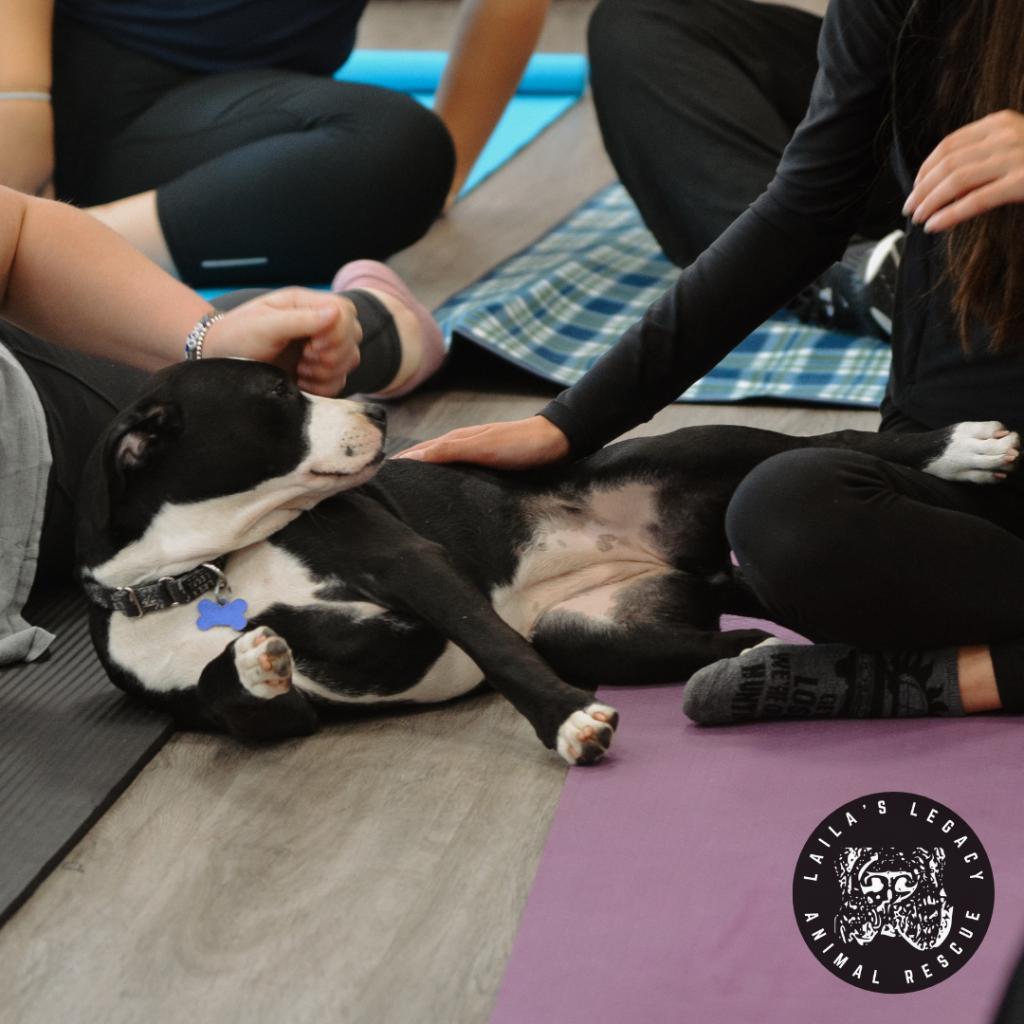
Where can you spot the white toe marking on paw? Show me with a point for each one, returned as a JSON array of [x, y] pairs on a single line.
[[580, 734], [977, 454], [263, 661]]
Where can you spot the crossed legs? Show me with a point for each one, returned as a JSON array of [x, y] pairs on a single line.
[[881, 561]]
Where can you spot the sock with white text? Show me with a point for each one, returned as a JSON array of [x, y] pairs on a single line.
[[824, 681]]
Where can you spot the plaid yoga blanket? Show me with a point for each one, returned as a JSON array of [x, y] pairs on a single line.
[[555, 308]]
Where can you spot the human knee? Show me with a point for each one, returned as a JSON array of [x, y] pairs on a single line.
[[399, 159], [622, 34], [795, 508], [419, 148], [621, 37], [612, 39]]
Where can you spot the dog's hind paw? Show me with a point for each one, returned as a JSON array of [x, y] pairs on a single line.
[[585, 736], [977, 453], [264, 663]]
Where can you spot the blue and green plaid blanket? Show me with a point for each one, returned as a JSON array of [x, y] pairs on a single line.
[[559, 305]]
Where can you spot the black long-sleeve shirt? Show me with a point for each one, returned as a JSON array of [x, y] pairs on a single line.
[[788, 237]]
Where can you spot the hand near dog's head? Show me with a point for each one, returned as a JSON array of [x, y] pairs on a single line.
[[312, 335]]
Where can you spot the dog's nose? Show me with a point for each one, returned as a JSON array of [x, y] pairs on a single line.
[[375, 413]]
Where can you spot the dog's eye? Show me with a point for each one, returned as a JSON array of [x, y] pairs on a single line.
[[282, 389]]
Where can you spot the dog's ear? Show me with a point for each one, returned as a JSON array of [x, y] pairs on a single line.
[[142, 434], [130, 441]]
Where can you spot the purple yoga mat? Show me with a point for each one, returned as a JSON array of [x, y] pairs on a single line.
[[663, 894]]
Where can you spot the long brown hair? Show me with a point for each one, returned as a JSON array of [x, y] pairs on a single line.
[[983, 73]]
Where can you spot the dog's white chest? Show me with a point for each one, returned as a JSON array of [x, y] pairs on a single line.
[[167, 651]]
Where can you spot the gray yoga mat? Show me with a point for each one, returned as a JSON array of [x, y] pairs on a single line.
[[69, 744]]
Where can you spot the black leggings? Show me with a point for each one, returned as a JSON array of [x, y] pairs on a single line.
[[697, 100], [262, 177], [846, 547], [79, 395]]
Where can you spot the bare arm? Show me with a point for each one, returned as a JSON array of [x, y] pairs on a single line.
[[26, 126], [67, 278], [492, 46], [70, 280]]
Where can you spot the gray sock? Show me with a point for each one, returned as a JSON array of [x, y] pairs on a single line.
[[824, 681]]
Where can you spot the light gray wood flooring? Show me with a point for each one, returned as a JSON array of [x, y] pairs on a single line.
[[376, 872]]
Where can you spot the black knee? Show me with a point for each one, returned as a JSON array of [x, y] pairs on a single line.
[[802, 527], [360, 172], [422, 145], [612, 42], [411, 161], [787, 509], [381, 167], [622, 34]]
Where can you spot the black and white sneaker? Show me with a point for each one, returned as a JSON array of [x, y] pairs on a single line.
[[858, 294]]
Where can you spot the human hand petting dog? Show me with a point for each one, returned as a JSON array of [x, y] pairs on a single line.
[[313, 335], [517, 444], [974, 169]]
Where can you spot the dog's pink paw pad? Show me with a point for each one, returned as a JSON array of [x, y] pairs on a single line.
[[264, 663], [585, 736]]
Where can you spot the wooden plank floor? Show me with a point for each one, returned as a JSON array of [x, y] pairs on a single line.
[[376, 872]]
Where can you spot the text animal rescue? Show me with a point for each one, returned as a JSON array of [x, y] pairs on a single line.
[[946, 828]]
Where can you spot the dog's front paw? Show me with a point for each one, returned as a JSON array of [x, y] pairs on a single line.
[[977, 453], [585, 736], [264, 663]]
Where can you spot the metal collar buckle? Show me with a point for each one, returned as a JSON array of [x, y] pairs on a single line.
[[221, 589], [139, 610], [169, 584]]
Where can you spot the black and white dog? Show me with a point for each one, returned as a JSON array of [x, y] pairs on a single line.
[[253, 562]]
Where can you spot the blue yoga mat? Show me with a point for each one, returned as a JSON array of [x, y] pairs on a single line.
[[551, 84], [420, 71]]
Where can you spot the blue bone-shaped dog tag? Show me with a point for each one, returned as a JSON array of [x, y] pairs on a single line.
[[230, 614]]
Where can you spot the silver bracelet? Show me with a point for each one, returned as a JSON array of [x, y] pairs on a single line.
[[43, 97], [196, 337]]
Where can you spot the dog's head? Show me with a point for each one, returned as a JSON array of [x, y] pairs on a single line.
[[214, 456]]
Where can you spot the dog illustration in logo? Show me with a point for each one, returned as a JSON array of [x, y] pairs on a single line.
[[893, 892]]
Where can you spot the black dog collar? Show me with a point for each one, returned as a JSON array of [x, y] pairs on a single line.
[[166, 592]]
